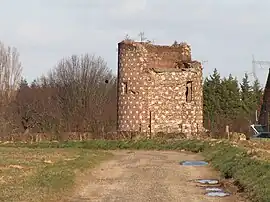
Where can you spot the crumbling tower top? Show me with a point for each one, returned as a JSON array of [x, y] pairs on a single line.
[[175, 56], [183, 48]]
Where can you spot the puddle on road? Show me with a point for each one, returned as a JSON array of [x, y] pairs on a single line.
[[218, 194], [212, 181], [193, 163], [214, 189]]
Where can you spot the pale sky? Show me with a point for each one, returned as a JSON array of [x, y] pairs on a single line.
[[224, 32]]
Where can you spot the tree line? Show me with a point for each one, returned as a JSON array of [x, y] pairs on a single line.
[[79, 95], [228, 101]]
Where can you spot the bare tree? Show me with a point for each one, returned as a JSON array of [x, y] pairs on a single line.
[[10, 71], [78, 95], [10, 76], [84, 86]]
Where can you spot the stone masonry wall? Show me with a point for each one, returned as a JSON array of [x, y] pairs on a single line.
[[152, 85]]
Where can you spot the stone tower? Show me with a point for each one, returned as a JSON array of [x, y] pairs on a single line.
[[159, 89]]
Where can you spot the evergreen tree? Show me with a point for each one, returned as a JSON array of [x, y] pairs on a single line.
[[212, 98], [257, 92], [215, 86], [230, 100], [207, 105], [246, 95]]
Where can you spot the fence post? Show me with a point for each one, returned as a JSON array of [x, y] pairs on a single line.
[[150, 124], [228, 131]]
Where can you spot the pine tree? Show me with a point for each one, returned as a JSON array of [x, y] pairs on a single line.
[[246, 95], [212, 98], [257, 92], [230, 100], [207, 106], [215, 82]]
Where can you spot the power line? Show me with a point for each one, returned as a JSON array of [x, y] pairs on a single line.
[[262, 64]]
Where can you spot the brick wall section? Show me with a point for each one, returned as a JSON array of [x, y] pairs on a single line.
[[152, 82]]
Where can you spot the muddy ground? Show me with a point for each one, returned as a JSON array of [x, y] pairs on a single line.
[[142, 176]]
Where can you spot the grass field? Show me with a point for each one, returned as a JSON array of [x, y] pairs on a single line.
[[43, 174], [44, 180]]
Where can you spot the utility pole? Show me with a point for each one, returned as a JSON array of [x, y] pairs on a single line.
[[262, 64]]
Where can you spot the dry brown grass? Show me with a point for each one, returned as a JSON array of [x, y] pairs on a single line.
[[43, 174], [258, 148]]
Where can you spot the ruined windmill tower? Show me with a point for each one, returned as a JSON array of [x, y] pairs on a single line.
[[159, 89]]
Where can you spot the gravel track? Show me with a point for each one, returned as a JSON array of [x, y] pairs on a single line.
[[142, 176]]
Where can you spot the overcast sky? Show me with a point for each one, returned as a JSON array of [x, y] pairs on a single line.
[[224, 32]]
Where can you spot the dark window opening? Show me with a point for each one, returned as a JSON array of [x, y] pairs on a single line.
[[189, 91]]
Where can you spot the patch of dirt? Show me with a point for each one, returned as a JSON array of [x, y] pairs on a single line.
[[15, 166], [147, 176], [48, 161]]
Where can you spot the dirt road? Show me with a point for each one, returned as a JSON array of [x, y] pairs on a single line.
[[142, 176]]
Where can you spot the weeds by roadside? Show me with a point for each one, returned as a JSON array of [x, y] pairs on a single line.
[[161, 144], [42, 174], [251, 175]]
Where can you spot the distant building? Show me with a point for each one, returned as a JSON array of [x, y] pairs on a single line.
[[159, 89]]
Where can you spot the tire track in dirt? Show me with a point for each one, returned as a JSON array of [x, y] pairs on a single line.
[[142, 176]]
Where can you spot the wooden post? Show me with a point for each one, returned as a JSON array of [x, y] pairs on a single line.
[[150, 123], [268, 126], [256, 117], [228, 131], [103, 132]]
